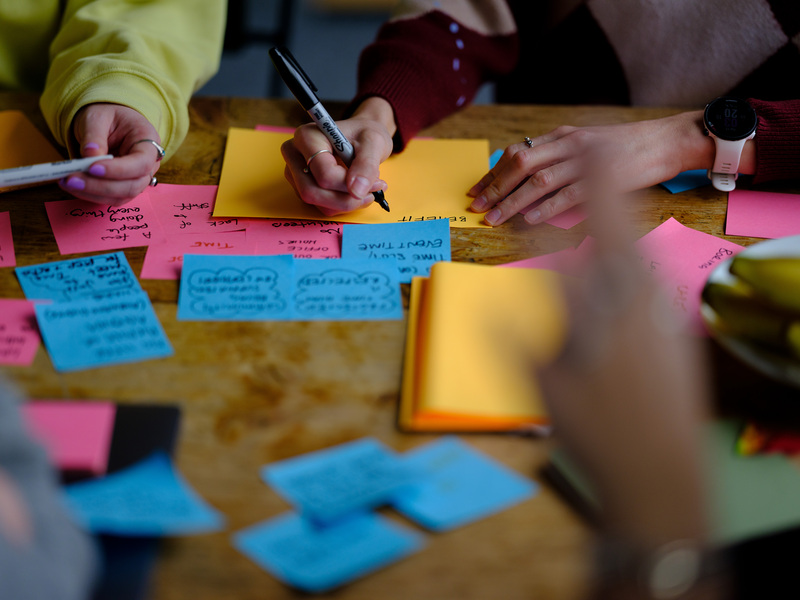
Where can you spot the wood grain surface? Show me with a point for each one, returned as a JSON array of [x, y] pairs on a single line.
[[257, 392]]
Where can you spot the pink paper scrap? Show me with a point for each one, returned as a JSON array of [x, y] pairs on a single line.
[[7, 256], [81, 226], [164, 260], [762, 214], [300, 238], [187, 209], [682, 258], [19, 334], [76, 434]]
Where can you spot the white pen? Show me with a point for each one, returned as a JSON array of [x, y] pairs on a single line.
[[47, 171]]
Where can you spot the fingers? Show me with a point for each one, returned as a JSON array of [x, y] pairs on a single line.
[[321, 180], [113, 129], [364, 172], [329, 194], [116, 181], [525, 175]]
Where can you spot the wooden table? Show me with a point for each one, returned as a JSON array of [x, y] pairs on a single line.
[[251, 393]]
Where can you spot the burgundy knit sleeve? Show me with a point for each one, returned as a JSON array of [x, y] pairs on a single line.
[[429, 67], [777, 140]]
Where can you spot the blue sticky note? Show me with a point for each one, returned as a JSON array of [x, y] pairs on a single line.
[[688, 180], [92, 333], [459, 485], [494, 158], [236, 288], [99, 276], [320, 558], [327, 484], [416, 245], [347, 289], [149, 498]]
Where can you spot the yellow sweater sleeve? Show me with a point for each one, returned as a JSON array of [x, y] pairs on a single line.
[[150, 56]]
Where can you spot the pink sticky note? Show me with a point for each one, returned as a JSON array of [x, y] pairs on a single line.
[[7, 256], [274, 128], [566, 262], [762, 214], [302, 239], [76, 435], [565, 220], [81, 226], [164, 260], [682, 258], [19, 335], [188, 208]]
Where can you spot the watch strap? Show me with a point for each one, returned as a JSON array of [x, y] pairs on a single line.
[[726, 162]]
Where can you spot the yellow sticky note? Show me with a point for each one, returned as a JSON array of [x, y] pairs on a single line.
[[475, 333], [429, 180], [21, 143]]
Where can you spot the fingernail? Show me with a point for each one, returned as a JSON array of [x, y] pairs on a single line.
[[91, 146], [533, 217], [479, 204], [360, 186], [75, 183], [492, 216], [97, 170], [382, 185]]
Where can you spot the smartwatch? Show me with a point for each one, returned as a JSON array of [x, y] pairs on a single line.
[[730, 122]]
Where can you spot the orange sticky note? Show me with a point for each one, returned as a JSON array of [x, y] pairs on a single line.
[[471, 346], [428, 180], [21, 143]]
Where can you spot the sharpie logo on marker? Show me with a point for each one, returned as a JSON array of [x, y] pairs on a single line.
[[329, 127]]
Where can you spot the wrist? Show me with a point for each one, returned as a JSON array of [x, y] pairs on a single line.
[[697, 150], [379, 110]]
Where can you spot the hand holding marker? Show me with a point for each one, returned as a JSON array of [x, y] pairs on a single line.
[[304, 90]]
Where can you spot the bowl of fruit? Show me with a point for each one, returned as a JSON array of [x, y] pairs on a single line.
[[751, 306]]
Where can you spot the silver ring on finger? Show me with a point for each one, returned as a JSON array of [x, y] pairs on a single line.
[[159, 148], [528, 142], [153, 181], [312, 157]]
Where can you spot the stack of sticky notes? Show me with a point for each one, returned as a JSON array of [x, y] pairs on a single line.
[[475, 334], [333, 534], [93, 312]]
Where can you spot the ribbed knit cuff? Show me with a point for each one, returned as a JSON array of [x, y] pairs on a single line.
[[777, 140]]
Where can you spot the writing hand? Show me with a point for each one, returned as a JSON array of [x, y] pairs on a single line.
[[113, 129], [328, 185], [647, 153]]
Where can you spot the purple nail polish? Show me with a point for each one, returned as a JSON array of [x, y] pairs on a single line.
[[75, 183], [91, 146], [97, 170]]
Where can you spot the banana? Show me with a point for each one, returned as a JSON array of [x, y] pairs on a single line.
[[755, 296], [793, 338], [738, 312], [776, 280]]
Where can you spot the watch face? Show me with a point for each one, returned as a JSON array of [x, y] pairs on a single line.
[[730, 118]]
